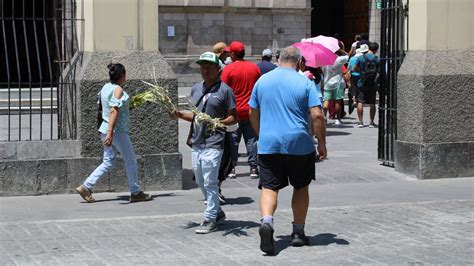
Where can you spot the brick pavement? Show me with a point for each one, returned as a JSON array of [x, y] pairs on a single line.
[[408, 233]]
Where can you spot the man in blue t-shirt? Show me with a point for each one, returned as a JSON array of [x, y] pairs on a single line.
[[367, 65], [279, 106]]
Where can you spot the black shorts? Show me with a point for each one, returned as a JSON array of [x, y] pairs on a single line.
[[277, 170], [366, 95], [354, 82]]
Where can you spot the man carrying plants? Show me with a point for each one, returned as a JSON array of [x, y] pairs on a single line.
[[213, 98]]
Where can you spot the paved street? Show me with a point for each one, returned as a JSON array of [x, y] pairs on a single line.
[[360, 213]]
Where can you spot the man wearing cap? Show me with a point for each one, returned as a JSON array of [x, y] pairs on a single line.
[[266, 64], [215, 98], [241, 76]]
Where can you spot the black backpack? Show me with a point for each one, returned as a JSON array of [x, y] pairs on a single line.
[[369, 72]]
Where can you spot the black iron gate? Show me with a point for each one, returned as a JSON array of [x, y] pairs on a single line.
[[394, 21], [38, 58]]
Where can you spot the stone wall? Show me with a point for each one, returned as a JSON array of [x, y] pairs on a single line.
[[151, 130], [435, 113], [259, 24], [46, 167], [53, 176]]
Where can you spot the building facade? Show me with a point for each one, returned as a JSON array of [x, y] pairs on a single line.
[[192, 27]]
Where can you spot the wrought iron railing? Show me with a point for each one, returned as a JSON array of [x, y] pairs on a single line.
[[393, 48], [38, 60]]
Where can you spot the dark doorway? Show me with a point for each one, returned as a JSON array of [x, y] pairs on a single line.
[[344, 17]]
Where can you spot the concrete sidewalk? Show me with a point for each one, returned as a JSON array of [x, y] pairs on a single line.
[[360, 213]]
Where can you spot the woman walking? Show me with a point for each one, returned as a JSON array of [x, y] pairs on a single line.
[[114, 133]]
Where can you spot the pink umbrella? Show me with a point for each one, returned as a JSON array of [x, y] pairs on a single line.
[[315, 54], [328, 42]]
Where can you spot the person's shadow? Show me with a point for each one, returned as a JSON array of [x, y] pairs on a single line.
[[238, 201], [125, 199], [325, 239], [229, 227]]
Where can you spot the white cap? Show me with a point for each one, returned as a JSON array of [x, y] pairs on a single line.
[[364, 48], [267, 52]]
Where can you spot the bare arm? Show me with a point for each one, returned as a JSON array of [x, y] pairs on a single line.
[[352, 51], [319, 130], [187, 116], [113, 115], [231, 118], [255, 120]]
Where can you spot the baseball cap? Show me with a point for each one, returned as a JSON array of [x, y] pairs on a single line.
[[208, 57], [236, 47], [219, 48], [364, 48], [267, 52]]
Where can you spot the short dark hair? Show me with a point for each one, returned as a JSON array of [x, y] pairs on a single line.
[[373, 46], [267, 58], [116, 70], [240, 54], [364, 36]]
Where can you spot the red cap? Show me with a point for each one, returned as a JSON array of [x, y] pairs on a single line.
[[236, 47], [227, 49]]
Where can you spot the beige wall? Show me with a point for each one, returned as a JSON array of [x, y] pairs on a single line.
[[441, 24], [118, 25]]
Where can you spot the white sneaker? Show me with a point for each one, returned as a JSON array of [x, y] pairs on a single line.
[[338, 122], [360, 125]]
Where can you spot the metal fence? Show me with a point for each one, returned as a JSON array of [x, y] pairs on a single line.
[[394, 43], [38, 59]]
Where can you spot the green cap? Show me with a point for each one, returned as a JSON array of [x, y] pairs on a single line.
[[209, 57]]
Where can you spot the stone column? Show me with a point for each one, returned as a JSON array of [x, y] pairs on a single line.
[[436, 92], [126, 31]]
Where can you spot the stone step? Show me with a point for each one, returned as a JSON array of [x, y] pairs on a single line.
[[14, 103], [40, 97], [26, 109], [25, 93]]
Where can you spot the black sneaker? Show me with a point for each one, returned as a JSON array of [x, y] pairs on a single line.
[[206, 227], [140, 196], [267, 243], [253, 173], [220, 216], [299, 240]]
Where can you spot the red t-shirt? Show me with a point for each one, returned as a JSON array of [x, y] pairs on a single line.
[[241, 77]]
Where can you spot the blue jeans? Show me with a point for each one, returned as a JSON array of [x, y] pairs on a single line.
[[206, 164], [122, 144], [250, 138]]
